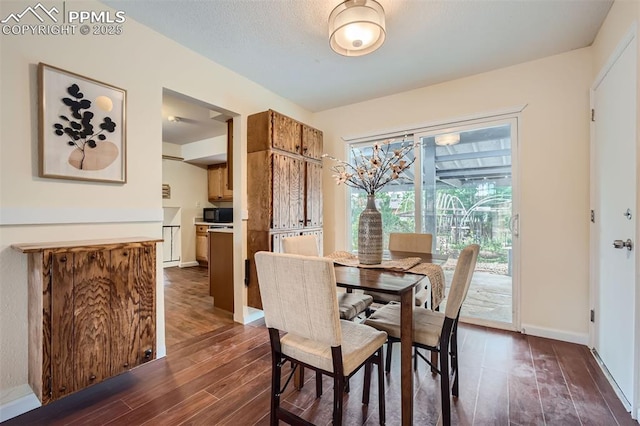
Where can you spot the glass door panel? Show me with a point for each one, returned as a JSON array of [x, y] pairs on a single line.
[[395, 201], [467, 197]]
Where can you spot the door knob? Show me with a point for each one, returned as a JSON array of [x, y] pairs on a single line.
[[622, 244]]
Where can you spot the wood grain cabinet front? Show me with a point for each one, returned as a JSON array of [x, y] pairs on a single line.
[[91, 314], [202, 245], [218, 183], [221, 270], [284, 185]]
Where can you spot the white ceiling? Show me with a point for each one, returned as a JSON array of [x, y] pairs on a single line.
[[283, 44], [196, 120]]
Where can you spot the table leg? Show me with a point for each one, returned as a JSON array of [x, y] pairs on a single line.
[[406, 340]]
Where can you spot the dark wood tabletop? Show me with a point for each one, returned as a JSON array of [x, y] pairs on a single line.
[[379, 280]]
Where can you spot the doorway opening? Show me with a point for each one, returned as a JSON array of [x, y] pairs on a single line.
[[194, 139]]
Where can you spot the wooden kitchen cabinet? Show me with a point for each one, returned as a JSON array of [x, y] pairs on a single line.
[[311, 142], [202, 244], [219, 183], [284, 185], [91, 312], [221, 269]]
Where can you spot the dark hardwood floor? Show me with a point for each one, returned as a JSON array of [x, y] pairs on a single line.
[[218, 373], [189, 309]]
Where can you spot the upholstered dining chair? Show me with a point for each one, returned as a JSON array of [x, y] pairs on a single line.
[[351, 304], [414, 243], [435, 331], [301, 312]]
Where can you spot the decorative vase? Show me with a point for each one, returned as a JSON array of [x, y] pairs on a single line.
[[370, 233]]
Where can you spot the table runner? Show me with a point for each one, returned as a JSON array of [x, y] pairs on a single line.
[[411, 265]]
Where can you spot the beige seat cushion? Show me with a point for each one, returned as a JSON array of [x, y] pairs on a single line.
[[358, 343], [351, 304], [427, 324]]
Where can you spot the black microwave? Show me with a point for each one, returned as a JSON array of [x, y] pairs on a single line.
[[218, 215]]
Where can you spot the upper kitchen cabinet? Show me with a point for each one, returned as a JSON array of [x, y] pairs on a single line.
[[219, 183], [311, 142], [272, 130]]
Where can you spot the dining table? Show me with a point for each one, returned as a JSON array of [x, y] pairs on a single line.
[[402, 285]]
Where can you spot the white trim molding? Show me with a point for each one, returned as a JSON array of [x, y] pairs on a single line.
[[553, 333], [435, 125], [76, 215], [20, 405]]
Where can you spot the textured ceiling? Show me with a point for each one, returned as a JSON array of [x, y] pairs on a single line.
[[283, 44]]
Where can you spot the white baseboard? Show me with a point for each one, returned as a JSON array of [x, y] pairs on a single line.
[[552, 333], [188, 264], [171, 264], [161, 352], [249, 314], [20, 405]]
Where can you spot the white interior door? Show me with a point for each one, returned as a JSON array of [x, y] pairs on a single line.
[[615, 179]]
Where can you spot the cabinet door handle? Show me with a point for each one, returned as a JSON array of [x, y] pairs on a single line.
[[126, 365], [148, 353], [92, 377], [62, 389]]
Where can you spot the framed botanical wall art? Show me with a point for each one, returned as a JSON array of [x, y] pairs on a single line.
[[82, 132]]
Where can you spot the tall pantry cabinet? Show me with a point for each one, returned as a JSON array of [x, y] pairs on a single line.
[[284, 185]]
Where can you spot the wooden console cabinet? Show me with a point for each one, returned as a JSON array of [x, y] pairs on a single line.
[[91, 311]]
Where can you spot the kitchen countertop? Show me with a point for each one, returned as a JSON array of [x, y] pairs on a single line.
[[224, 230]]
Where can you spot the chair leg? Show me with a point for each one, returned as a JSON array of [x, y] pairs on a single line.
[[389, 350], [381, 407], [275, 387], [318, 384], [367, 383], [298, 377], [434, 362], [338, 386], [444, 386], [454, 361]]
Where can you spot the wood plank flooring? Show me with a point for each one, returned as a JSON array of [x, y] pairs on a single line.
[[221, 376], [189, 310]]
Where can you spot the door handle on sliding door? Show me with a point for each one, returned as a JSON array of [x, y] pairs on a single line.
[[515, 225]]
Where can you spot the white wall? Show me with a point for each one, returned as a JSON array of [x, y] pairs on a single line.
[[142, 62], [189, 193], [554, 167]]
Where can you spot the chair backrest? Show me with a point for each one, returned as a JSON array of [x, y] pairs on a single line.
[[305, 245], [299, 296], [416, 243], [461, 279]]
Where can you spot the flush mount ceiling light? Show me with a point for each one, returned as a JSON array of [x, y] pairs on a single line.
[[174, 119], [448, 139], [356, 27]]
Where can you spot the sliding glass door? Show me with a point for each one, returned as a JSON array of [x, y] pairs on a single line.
[[463, 181]]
